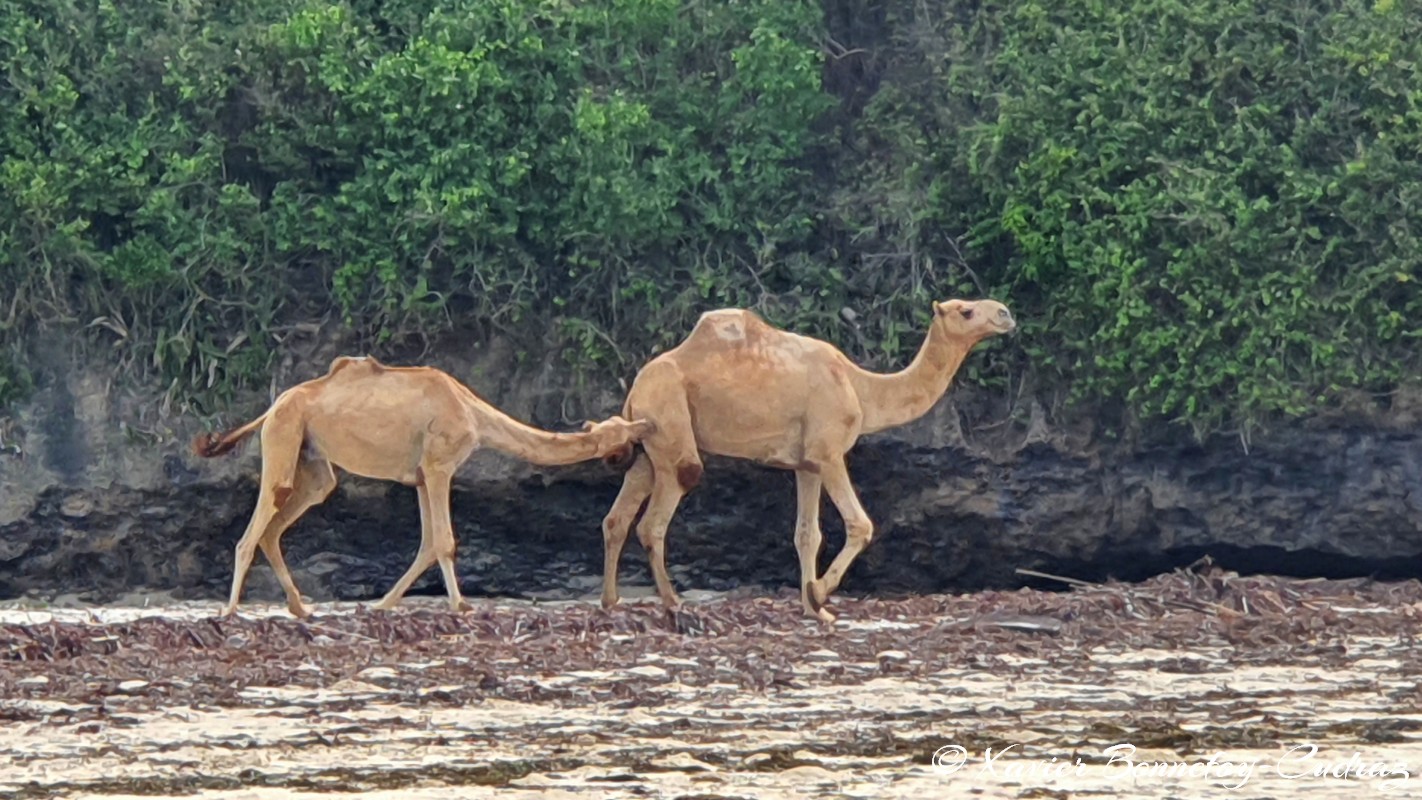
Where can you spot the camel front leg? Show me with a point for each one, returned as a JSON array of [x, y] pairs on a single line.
[[424, 558], [859, 530], [442, 534], [808, 538], [636, 487]]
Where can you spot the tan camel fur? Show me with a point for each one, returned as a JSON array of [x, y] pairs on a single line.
[[740, 387], [415, 425]]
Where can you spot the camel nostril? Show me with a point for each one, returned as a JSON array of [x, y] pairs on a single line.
[[1004, 313]]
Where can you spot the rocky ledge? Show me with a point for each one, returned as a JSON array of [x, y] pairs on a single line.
[[99, 496]]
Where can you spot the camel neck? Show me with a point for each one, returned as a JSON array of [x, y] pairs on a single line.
[[897, 398], [534, 445]]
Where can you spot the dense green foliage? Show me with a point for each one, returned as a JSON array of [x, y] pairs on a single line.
[[194, 178], [1209, 209], [1212, 208]]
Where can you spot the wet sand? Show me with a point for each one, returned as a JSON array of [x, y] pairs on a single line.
[[1189, 685]]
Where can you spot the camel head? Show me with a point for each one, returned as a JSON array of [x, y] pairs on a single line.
[[615, 435], [974, 320]]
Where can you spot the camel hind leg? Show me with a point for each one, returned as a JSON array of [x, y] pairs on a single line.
[[652, 530], [673, 475], [636, 488], [282, 436], [315, 480], [659, 395]]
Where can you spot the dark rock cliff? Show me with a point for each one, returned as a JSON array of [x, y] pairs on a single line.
[[99, 496]]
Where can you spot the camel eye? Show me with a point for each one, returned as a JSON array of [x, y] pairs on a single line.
[[966, 312]]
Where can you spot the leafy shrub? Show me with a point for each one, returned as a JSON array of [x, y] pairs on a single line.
[[1203, 211], [194, 177], [1209, 209]]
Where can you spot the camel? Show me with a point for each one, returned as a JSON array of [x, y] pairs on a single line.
[[415, 425], [740, 387]]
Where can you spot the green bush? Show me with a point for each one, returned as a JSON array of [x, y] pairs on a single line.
[[1204, 211], [192, 178], [1210, 209]]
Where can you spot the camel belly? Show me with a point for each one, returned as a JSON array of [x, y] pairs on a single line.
[[779, 454], [382, 446], [754, 431]]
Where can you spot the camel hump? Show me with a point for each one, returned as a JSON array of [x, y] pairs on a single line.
[[731, 326], [342, 362]]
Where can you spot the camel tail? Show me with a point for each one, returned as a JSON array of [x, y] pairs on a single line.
[[624, 456], [622, 459], [211, 445]]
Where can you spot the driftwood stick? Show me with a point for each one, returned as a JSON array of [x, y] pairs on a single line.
[[1035, 574]]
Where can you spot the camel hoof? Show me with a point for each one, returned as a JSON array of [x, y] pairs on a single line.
[[814, 602], [461, 606], [807, 599], [609, 602], [302, 611], [383, 605], [813, 596]]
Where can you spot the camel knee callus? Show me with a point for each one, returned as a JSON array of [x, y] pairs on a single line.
[[426, 418], [281, 494], [740, 387], [688, 476]]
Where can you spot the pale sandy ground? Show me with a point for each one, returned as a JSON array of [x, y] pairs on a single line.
[[873, 738]]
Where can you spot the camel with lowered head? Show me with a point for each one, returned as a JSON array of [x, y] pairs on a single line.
[[415, 425], [740, 387]]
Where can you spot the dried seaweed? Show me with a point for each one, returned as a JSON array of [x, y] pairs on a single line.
[[755, 643]]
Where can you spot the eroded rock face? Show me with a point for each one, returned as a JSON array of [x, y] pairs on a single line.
[[99, 495]]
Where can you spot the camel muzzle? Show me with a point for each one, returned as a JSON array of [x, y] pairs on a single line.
[[1004, 319]]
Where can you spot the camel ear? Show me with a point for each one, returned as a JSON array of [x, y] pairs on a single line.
[[946, 307], [588, 426]]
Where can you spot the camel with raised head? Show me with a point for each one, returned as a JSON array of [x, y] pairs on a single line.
[[738, 386], [415, 425]]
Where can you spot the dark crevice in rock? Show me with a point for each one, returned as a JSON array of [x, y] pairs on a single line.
[[64, 450], [1141, 566]]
